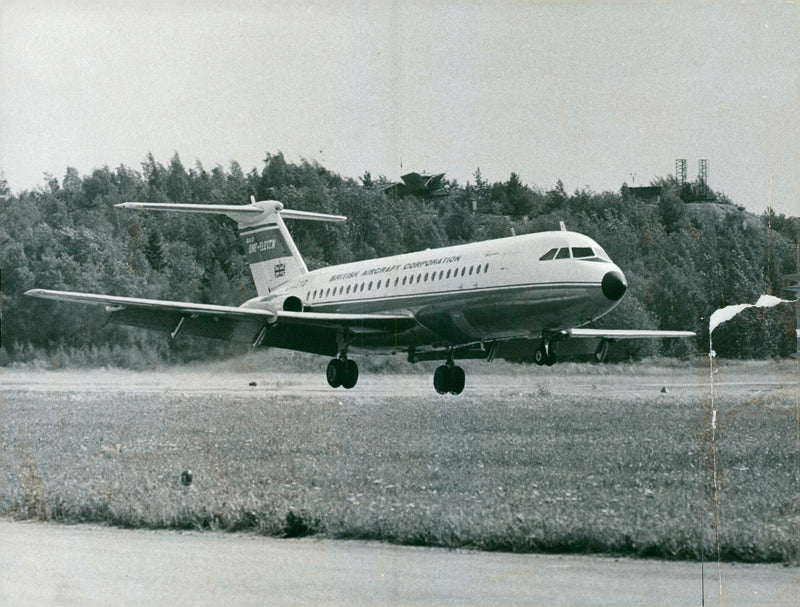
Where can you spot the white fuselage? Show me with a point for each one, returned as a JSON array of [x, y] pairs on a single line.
[[494, 289]]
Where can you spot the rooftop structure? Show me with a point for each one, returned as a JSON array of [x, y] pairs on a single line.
[[416, 184]]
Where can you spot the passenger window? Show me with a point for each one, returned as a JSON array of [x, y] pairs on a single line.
[[486, 268], [396, 280], [563, 253], [470, 270], [369, 286], [378, 286], [426, 277], [549, 255], [419, 277], [478, 270], [308, 295], [441, 273], [463, 270], [327, 292], [578, 252], [448, 274], [404, 280], [348, 288], [362, 286]]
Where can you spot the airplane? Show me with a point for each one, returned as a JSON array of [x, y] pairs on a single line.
[[444, 304]]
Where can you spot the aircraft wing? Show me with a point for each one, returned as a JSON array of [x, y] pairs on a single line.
[[625, 333], [306, 331]]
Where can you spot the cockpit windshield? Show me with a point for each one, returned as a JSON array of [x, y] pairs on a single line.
[[584, 253], [549, 255], [602, 254], [578, 252]]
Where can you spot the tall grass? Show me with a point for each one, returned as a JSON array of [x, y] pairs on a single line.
[[520, 471]]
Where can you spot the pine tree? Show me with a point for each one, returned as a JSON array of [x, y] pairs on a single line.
[[154, 252]]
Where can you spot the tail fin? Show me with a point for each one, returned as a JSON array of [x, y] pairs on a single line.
[[270, 250]]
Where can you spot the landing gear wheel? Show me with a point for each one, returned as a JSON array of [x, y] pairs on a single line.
[[551, 359], [601, 353], [335, 373], [457, 380], [540, 356], [441, 379], [351, 374], [449, 378]]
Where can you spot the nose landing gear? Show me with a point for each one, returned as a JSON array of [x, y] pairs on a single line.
[[546, 353]]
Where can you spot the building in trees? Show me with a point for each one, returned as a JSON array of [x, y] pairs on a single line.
[[417, 184], [646, 193]]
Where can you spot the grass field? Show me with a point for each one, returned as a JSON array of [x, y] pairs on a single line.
[[523, 467]]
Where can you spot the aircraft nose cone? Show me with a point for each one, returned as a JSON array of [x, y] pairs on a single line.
[[614, 285]]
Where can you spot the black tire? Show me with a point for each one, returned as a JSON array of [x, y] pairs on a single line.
[[335, 373], [350, 378], [551, 358], [540, 356], [441, 379], [457, 380]]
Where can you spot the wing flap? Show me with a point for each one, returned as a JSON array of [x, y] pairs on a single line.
[[217, 327], [626, 333]]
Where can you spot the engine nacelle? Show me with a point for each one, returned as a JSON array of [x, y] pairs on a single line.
[[286, 303], [292, 304]]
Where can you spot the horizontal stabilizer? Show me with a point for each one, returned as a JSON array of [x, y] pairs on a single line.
[[626, 333], [292, 214], [191, 208], [270, 251], [242, 213]]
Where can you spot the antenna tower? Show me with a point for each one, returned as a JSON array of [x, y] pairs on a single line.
[[702, 177], [680, 171]]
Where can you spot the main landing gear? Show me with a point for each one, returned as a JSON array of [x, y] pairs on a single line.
[[342, 372], [449, 378]]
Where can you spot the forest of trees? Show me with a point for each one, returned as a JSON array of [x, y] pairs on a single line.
[[682, 261]]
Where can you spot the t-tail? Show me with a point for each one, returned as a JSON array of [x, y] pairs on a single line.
[[270, 249]]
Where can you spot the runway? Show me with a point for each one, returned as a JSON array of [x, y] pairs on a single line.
[[482, 379], [45, 564]]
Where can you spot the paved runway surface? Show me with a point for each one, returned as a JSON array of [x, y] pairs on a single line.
[[44, 564]]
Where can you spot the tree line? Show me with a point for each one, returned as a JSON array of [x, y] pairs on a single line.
[[682, 261]]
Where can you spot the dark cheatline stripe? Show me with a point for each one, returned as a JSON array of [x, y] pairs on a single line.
[[425, 298]]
